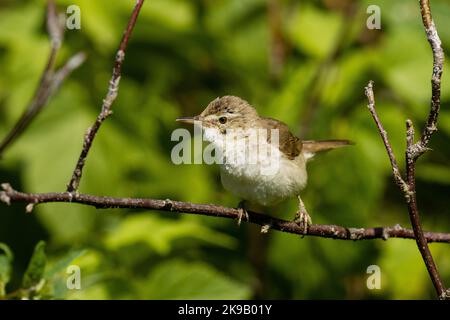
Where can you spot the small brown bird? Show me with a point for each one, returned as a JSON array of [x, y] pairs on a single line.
[[277, 172]]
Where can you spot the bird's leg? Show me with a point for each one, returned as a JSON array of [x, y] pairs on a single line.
[[302, 217], [242, 212]]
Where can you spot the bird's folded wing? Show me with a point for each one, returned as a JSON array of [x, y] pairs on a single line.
[[289, 144]]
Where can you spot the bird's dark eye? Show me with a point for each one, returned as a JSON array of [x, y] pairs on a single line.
[[223, 120]]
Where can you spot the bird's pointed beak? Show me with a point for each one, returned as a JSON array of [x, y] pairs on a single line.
[[188, 120]]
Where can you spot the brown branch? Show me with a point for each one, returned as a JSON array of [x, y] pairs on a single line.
[[438, 65], [107, 102], [50, 80], [383, 133], [278, 47], [408, 187], [414, 214], [9, 195], [415, 150]]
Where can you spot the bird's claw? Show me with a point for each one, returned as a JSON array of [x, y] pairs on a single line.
[[242, 213], [302, 218]]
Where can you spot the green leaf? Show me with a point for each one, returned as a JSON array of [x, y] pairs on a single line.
[[444, 121], [159, 234], [99, 21], [326, 28], [404, 256], [35, 271], [175, 14], [56, 274], [6, 259], [434, 173], [62, 263], [181, 280]]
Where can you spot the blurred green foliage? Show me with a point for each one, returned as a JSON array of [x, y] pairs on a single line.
[[182, 55]]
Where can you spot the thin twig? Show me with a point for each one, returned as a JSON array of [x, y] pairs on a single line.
[[107, 102], [414, 215], [278, 45], [50, 80], [9, 195], [408, 187], [395, 170], [415, 150], [438, 65]]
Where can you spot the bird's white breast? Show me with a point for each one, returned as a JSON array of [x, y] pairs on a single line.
[[257, 171]]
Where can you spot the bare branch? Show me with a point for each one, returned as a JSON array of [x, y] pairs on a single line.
[[55, 24], [278, 46], [408, 187], [415, 150], [50, 81], [9, 195], [395, 170], [415, 218], [438, 65], [107, 102]]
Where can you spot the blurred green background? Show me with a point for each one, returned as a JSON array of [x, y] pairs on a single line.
[[303, 62]]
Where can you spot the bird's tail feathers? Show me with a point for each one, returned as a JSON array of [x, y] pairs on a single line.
[[311, 147]]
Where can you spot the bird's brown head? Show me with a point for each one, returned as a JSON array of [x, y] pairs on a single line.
[[228, 112]]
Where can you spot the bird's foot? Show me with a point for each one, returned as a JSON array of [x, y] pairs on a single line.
[[302, 218], [242, 212]]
